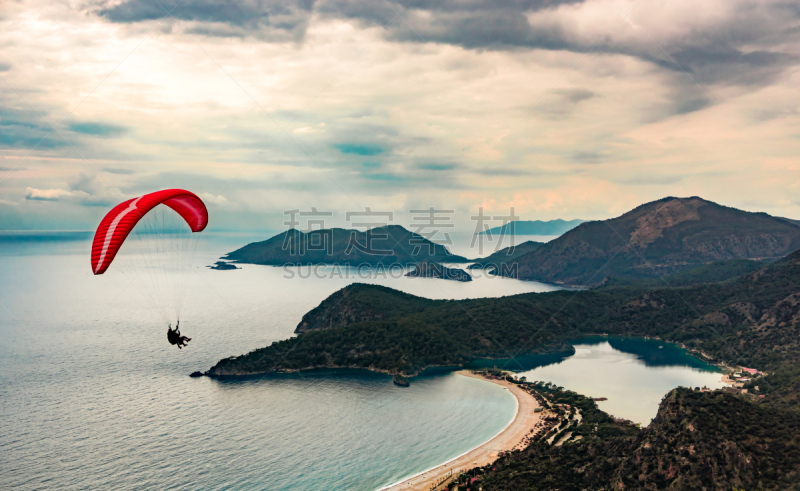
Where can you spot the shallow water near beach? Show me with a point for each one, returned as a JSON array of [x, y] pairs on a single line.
[[92, 396]]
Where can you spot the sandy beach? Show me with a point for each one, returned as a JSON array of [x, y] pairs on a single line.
[[510, 437]]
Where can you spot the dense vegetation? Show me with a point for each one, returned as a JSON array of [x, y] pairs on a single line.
[[658, 238], [379, 246], [698, 440]]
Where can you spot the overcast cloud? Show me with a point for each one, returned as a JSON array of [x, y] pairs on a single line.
[[573, 109]]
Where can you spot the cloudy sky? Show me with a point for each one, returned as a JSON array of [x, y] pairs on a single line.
[[561, 109]]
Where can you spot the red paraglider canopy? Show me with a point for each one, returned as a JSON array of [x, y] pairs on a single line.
[[119, 222]]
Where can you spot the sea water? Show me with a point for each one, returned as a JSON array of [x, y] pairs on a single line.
[[93, 397]]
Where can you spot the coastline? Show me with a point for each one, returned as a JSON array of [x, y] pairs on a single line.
[[508, 438]]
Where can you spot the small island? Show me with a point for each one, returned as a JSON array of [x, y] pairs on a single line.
[[430, 269], [379, 246], [400, 381], [223, 266]]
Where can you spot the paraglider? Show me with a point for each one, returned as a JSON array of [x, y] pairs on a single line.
[[174, 336], [164, 237]]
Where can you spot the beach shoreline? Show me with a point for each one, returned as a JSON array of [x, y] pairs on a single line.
[[525, 418]]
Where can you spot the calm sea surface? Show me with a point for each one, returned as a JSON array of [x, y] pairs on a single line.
[[93, 397]]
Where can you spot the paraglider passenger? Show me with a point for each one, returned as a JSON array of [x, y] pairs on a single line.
[[174, 336]]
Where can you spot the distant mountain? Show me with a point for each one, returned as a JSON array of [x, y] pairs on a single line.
[[534, 227], [658, 238], [506, 254], [381, 245], [790, 220]]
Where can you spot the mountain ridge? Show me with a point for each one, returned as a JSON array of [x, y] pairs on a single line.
[[655, 239]]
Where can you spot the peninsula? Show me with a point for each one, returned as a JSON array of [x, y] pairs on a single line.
[[430, 269]]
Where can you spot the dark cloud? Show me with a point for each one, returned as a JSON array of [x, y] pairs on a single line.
[[39, 198], [438, 166], [85, 183], [718, 62], [589, 157], [768, 114], [102, 130], [746, 47], [575, 95], [692, 104], [115, 170], [273, 20], [504, 172], [364, 149], [25, 129], [683, 96], [473, 24], [4, 67], [561, 103]]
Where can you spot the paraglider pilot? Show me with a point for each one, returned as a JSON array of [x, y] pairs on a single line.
[[174, 336]]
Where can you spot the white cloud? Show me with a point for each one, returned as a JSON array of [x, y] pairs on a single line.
[[211, 199], [45, 194]]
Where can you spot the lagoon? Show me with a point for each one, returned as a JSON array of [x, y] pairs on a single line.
[[633, 374]]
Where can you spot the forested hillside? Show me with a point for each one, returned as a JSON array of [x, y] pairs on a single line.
[[698, 440]]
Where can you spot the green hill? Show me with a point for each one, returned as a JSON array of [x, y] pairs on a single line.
[[381, 245], [655, 239]]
